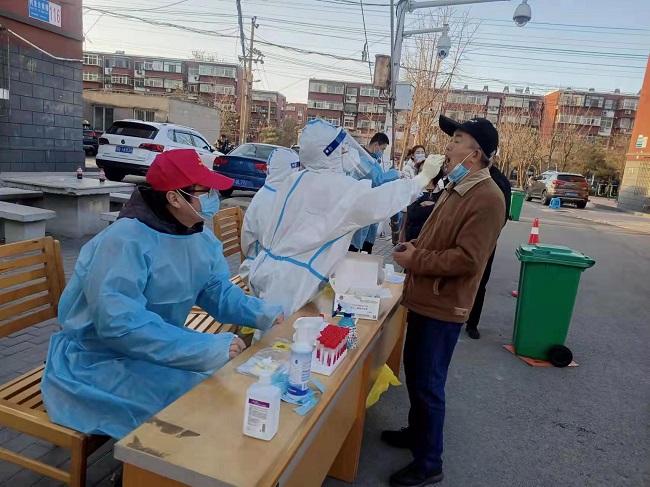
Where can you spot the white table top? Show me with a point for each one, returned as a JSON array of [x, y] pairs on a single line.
[[63, 184]]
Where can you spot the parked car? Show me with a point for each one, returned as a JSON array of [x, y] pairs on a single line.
[[91, 141], [569, 187], [130, 146], [246, 164]]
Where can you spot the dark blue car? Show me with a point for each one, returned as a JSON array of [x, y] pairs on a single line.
[[246, 165]]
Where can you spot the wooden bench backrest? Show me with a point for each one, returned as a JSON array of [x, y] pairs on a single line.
[[31, 283], [227, 228]]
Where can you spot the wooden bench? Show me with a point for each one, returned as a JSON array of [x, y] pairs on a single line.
[[110, 217], [118, 200], [13, 195], [23, 222], [227, 228], [31, 283]]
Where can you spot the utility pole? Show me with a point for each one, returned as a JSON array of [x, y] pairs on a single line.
[[268, 115], [248, 84]]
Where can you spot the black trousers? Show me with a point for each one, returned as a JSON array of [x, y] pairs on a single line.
[[475, 314], [367, 247]]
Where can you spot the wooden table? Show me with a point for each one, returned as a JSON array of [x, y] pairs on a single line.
[[78, 203], [198, 440]]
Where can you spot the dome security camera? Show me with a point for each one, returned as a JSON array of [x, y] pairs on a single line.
[[444, 46], [522, 14]]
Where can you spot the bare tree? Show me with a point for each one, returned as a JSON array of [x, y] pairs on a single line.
[[431, 76]]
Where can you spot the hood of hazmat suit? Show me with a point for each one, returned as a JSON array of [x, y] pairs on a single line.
[[123, 352], [282, 163], [313, 216]]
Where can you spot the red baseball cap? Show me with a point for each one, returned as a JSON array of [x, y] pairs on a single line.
[[180, 168]]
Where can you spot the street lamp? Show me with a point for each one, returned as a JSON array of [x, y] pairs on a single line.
[[521, 17]]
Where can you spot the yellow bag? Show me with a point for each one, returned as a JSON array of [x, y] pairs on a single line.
[[386, 378], [245, 330]]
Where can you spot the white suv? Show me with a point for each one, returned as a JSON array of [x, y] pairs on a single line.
[[130, 146]]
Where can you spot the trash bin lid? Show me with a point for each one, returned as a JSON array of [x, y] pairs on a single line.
[[553, 254]]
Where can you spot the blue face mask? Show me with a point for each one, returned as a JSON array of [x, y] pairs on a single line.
[[460, 171], [209, 204], [419, 157]]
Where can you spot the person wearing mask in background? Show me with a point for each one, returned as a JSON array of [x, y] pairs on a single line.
[[475, 315], [417, 212], [364, 239], [281, 164], [444, 267], [123, 352], [314, 214], [223, 144], [413, 161]]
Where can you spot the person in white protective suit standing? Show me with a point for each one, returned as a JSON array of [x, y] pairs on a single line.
[[315, 213], [281, 164]]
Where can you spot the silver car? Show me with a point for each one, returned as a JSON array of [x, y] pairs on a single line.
[[569, 187]]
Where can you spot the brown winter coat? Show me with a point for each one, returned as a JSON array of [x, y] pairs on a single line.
[[453, 248]]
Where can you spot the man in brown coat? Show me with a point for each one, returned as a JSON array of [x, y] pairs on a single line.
[[444, 268]]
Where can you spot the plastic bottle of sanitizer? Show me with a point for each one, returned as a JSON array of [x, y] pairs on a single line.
[[262, 416]]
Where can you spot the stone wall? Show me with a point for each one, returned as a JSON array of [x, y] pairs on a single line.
[[634, 193], [43, 129]]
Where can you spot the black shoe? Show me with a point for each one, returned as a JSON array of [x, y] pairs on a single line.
[[397, 439], [473, 333], [415, 476]]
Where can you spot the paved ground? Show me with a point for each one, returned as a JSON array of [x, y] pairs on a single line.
[[507, 423]]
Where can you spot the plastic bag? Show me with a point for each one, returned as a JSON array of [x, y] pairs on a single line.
[[279, 354], [386, 378]]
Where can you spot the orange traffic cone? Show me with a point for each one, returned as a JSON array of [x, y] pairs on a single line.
[[534, 233]]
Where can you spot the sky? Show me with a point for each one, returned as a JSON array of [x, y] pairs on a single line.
[[600, 44]]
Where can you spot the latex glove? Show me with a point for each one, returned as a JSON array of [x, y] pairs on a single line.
[[430, 169], [237, 346]]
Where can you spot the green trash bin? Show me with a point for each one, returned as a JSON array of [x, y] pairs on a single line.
[[548, 285], [516, 203]]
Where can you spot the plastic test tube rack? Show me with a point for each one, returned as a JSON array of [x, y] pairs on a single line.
[[330, 350]]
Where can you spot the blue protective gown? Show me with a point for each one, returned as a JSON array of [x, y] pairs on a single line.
[[123, 353]]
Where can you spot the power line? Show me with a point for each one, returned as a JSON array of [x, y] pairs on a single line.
[[365, 47]]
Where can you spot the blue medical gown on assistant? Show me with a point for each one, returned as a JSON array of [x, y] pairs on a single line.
[[369, 233], [123, 353]]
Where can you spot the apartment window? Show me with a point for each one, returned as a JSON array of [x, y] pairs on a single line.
[[325, 88], [92, 60], [625, 123], [265, 97], [217, 71], [571, 100], [493, 118], [102, 118], [514, 102], [629, 104], [363, 124], [227, 107], [310, 118], [138, 82], [371, 108], [325, 105], [154, 82], [607, 123], [121, 62], [592, 101], [192, 88], [138, 66], [153, 65], [351, 91], [333, 121], [172, 67], [174, 84], [117, 79], [144, 115], [348, 122], [218, 89], [291, 108], [369, 91], [610, 104], [91, 76], [578, 120], [467, 99], [494, 102]]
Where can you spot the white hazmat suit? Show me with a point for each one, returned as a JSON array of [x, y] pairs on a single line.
[[281, 163], [314, 215]]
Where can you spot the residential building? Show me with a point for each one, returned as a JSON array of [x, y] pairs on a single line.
[[355, 106], [634, 191], [208, 83], [206, 120], [607, 118], [519, 106], [41, 124], [297, 112], [267, 109]]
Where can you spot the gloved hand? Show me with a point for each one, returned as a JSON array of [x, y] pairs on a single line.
[[430, 169]]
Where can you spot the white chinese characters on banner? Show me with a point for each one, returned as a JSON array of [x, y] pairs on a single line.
[[45, 11]]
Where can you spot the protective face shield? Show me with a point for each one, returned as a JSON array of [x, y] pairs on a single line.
[[209, 203], [320, 146], [280, 164]]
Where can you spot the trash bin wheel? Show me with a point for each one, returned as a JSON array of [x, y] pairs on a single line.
[[560, 356]]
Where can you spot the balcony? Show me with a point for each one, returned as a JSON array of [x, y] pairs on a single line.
[[350, 109]]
